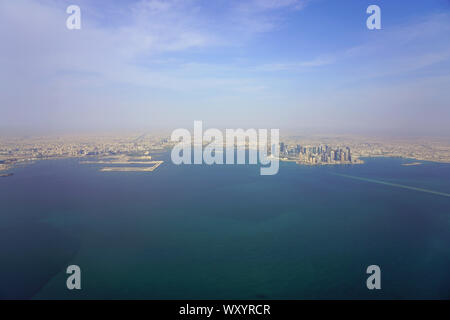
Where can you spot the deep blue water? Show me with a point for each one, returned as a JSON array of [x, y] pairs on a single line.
[[213, 232]]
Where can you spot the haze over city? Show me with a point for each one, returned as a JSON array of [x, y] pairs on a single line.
[[288, 64]]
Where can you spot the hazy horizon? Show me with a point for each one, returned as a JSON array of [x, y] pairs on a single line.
[[296, 65]]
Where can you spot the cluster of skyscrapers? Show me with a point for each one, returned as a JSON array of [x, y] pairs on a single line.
[[322, 154]]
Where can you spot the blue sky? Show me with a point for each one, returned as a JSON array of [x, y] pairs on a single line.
[[288, 64]]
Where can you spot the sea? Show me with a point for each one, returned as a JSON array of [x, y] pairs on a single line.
[[225, 231]]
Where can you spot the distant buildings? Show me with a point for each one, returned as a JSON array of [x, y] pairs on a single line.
[[22, 150], [321, 154]]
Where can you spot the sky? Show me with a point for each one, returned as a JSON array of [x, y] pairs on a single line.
[[287, 64]]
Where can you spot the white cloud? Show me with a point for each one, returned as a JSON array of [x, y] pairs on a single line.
[[272, 4]]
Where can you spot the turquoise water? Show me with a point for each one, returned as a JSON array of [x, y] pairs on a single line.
[[225, 232]]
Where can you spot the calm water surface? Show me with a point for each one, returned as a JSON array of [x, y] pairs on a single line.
[[200, 232]]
